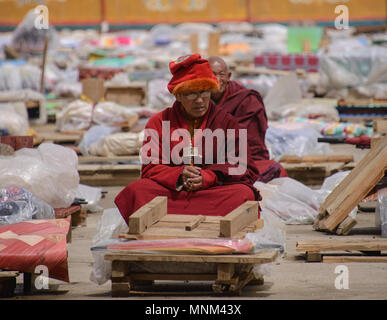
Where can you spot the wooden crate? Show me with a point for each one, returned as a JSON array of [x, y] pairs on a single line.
[[127, 95], [342, 251], [311, 173], [229, 274]]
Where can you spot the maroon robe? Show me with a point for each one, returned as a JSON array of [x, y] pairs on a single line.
[[247, 106], [221, 192]]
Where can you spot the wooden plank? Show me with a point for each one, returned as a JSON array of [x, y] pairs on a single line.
[[194, 43], [225, 271], [360, 185], [173, 276], [93, 168], [109, 179], [213, 44], [147, 215], [260, 257], [238, 219], [195, 223], [345, 259], [341, 245], [112, 159], [317, 158], [380, 125]]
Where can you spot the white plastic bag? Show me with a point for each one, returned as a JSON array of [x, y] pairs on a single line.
[[79, 115], [117, 144], [93, 135], [295, 203], [49, 172], [15, 124]]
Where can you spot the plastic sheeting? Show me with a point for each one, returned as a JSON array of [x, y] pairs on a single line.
[[294, 139], [50, 172], [295, 203], [18, 204], [80, 115]]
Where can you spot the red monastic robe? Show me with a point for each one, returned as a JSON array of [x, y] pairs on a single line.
[[221, 193], [247, 106]]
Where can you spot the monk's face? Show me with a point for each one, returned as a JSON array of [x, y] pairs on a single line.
[[195, 103], [220, 71]]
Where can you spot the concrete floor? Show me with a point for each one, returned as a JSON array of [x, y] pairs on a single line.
[[290, 277]]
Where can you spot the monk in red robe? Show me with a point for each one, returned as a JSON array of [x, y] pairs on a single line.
[[199, 175], [247, 107]]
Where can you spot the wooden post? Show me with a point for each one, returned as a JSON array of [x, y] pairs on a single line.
[[238, 219], [213, 44], [194, 42], [44, 64], [147, 215]]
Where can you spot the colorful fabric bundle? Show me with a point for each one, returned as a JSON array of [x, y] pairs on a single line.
[[337, 129], [26, 245]]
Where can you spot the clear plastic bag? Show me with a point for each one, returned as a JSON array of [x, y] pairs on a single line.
[[91, 195], [382, 208], [50, 172], [18, 204], [108, 230], [294, 139]]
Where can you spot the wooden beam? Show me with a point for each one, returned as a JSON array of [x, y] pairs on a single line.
[[147, 215], [213, 44], [345, 259], [194, 42], [195, 222], [225, 271], [238, 219], [341, 245]]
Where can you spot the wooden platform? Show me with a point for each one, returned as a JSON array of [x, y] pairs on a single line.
[[229, 273], [152, 222], [108, 174], [342, 251], [310, 173], [7, 283]]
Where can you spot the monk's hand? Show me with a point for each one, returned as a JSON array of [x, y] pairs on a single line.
[[189, 172], [194, 184]]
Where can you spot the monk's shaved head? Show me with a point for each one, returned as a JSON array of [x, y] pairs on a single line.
[[214, 59], [220, 70]]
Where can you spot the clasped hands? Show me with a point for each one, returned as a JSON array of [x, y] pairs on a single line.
[[191, 178]]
